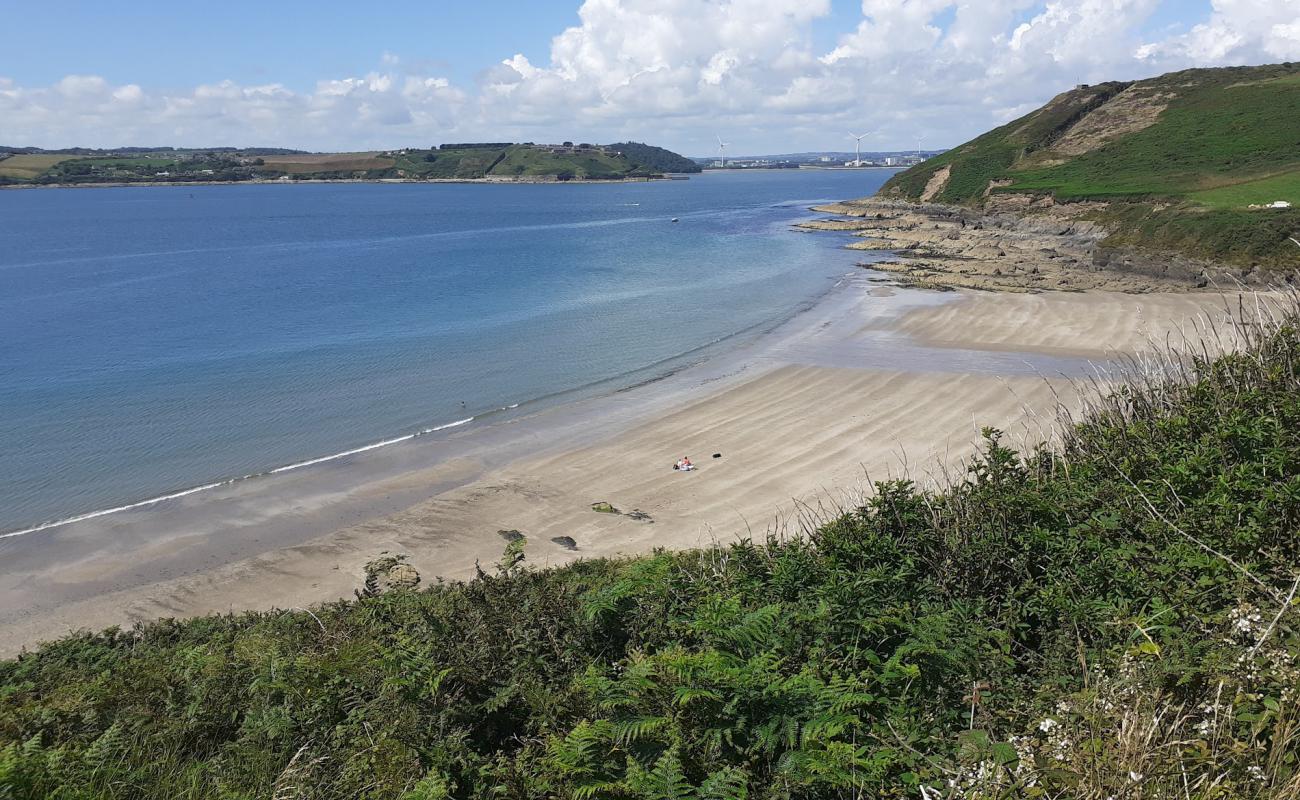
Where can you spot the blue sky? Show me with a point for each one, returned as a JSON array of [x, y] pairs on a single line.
[[288, 41], [774, 74]]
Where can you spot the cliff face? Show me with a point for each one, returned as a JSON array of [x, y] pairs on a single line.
[[1180, 165]]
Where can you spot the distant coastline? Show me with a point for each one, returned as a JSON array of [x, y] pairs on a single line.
[[477, 162], [542, 180]]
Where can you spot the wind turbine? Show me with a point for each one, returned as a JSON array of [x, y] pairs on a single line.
[[722, 150], [857, 146]]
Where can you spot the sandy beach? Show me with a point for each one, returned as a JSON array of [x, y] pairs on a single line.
[[874, 382]]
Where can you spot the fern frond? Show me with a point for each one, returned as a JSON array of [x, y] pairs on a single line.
[[683, 695], [728, 783], [635, 730]]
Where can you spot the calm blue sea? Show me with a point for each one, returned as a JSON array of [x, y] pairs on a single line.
[[157, 339]]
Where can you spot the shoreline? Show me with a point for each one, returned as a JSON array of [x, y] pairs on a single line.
[[850, 387], [640, 378]]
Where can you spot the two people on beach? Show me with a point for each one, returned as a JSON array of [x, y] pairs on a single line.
[[684, 464]]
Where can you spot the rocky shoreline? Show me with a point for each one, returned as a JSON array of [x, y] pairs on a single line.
[[1054, 249]]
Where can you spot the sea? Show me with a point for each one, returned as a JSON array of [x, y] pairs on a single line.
[[158, 341]]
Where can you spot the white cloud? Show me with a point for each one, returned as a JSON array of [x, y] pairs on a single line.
[[678, 71], [1237, 32]]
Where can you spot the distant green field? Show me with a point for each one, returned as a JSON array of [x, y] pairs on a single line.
[[530, 162], [159, 162], [28, 166], [332, 162], [516, 161], [1256, 192], [456, 162]]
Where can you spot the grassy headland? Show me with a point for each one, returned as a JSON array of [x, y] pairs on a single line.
[[489, 161], [1169, 163], [1110, 616]]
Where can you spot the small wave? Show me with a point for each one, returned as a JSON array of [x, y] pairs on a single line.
[[106, 511], [229, 481]]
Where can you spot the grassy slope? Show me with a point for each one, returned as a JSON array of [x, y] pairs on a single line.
[[992, 155], [1228, 138], [1115, 603], [656, 158], [527, 162], [1217, 133], [511, 162]]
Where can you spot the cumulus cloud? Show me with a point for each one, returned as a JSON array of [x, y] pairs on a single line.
[[678, 72], [368, 111], [1237, 31]]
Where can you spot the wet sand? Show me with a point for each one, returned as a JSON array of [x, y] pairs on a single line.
[[874, 382]]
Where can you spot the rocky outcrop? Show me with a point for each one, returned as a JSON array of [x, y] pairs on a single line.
[[1024, 243], [388, 573]]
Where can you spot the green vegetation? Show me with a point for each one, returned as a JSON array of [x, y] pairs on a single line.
[[338, 164], [27, 166], [1221, 138], [1222, 132], [991, 156], [1257, 192], [587, 162], [1114, 617], [1222, 235], [447, 162], [655, 158]]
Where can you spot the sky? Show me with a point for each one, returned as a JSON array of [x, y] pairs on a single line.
[[767, 76]]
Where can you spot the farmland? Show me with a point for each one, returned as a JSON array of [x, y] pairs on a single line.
[[490, 162]]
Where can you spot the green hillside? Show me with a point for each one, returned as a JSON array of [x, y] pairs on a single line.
[[456, 162], [1179, 159], [656, 158], [1115, 617]]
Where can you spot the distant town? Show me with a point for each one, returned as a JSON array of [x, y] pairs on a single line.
[[819, 160]]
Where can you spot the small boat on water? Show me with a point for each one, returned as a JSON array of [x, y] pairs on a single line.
[[674, 219]]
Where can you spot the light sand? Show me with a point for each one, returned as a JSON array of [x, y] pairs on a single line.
[[1089, 324], [798, 439]]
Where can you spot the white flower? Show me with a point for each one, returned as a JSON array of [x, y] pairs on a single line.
[[1134, 776], [1046, 725]]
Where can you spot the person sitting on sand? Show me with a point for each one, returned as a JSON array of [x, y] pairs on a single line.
[[684, 465]]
